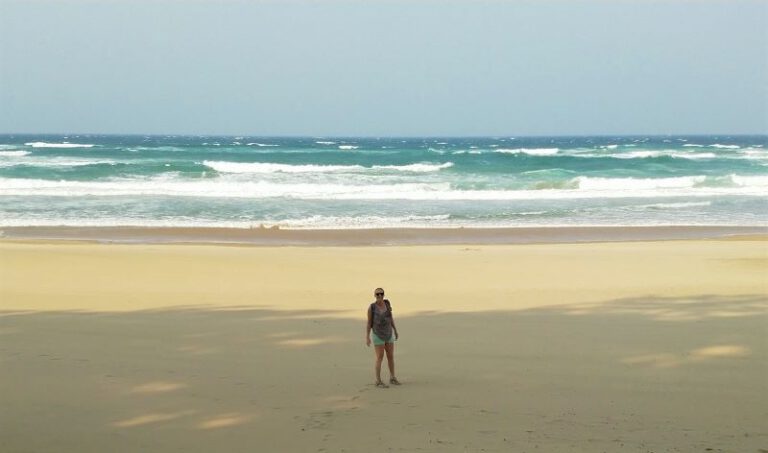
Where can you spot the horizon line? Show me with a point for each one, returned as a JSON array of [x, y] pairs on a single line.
[[296, 136]]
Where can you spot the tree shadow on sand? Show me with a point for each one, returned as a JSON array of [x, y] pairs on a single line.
[[206, 379]]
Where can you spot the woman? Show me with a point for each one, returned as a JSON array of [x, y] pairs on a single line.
[[381, 322]]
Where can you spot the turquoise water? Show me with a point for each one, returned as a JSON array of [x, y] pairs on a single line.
[[314, 182]]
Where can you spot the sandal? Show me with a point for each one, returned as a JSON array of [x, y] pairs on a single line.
[[382, 385], [394, 381]]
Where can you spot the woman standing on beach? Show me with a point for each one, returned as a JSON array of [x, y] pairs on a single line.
[[382, 323]]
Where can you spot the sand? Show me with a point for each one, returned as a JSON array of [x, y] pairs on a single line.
[[584, 347]]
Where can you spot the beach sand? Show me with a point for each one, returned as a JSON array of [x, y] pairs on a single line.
[[582, 347]]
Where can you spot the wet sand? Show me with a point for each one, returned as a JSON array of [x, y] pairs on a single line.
[[274, 236]]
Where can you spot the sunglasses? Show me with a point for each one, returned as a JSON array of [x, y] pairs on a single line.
[[378, 294]]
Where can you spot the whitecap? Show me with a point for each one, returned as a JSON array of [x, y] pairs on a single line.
[[753, 154], [418, 168], [17, 153], [694, 155], [717, 145], [348, 147], [241, 167], [525, 213], [232, 187], [628, 184], [750, 181], [56, 162], [529, 151], [258, 167], [547, 171], [58, 145], [326, 143], [634, 155], [652, 154], [259, 144]]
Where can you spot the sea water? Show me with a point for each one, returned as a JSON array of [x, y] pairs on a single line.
[[336, 182]]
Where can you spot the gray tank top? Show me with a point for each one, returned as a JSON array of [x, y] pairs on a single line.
[[382, 322]]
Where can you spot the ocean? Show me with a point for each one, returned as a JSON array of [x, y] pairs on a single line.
[[332, 182]]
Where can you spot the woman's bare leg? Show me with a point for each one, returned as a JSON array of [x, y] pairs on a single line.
[[379, 358], [389, 348]]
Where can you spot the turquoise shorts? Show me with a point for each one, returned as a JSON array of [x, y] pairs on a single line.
[[379, 342]]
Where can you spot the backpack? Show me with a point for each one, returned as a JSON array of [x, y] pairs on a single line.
[[373, 310]]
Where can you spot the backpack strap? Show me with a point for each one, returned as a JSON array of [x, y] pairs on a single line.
[[372, 308]]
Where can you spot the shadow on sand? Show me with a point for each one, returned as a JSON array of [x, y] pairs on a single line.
[[652, 372]]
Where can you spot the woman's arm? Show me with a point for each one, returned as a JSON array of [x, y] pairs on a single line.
[[394, 328], [368, 329]]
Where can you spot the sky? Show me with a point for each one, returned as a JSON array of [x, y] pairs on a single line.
[[384, 67]]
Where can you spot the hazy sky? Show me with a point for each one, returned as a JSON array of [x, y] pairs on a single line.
[[384, 67]]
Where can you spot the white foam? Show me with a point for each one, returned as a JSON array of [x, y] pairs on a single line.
[[252, 144], [58, 145], [157, 148], [53, 162], [645, 154], [348, 147], [326, 143], [631, 155], [14, 153], [610, 146], [529, 151], [717, 145], [547, 171], [342, 222], [311, 222], [239, 167], [693, 204], [693, 145], [418, 168], [750, 181], [694, 155], [629, 184], [531, 213], [753, 154], [583, 188]]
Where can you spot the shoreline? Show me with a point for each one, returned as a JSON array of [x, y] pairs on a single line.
[[376, 236]]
